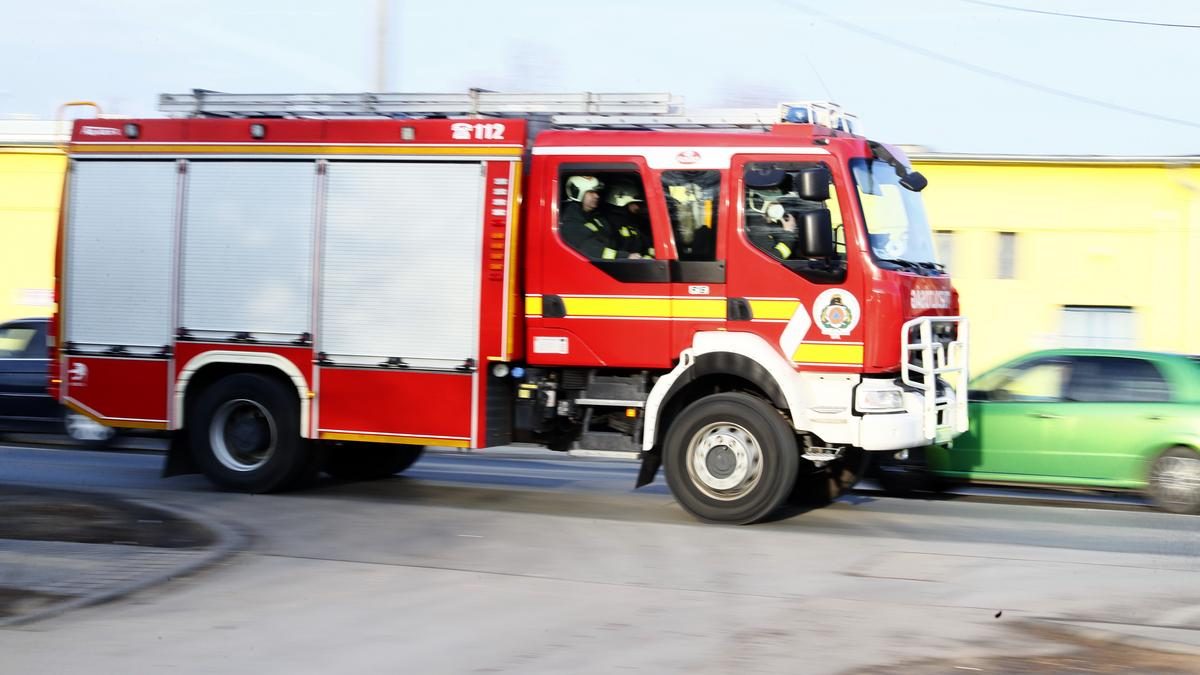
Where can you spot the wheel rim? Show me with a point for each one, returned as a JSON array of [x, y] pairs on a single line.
[[83, 428], [724, 461], [1176, 480], [242, 435]]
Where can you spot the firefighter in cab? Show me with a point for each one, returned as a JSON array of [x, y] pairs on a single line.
[[583, 224], [627, 213]]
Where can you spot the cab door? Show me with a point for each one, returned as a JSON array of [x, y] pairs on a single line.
[[812, 310], [611, 310]]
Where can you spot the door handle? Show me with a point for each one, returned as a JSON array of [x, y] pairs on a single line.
[[1046, 416], [1155, 418]]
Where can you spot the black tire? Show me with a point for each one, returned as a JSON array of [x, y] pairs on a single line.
[[244, 431], [369, 461], [716, 485], [907, 477], [821, 486], [1173, 482]]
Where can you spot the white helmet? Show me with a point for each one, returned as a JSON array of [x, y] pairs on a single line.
[[622, 194], [577, 186]]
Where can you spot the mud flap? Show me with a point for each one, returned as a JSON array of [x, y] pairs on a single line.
[[650, 463], [179, 457]]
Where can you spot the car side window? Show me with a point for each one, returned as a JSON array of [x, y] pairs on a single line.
[[1108, 379], [21, 341], [1036, 382]]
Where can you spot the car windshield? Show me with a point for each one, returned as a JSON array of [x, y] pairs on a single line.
[[897, 228]]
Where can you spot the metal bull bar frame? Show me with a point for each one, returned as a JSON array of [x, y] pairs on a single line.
[[933, 359]]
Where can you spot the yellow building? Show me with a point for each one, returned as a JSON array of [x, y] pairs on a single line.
[[32, 166], [1069, 251]]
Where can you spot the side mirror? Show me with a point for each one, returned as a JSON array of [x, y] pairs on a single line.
[[812, 184], [815, 230], [914, 181]]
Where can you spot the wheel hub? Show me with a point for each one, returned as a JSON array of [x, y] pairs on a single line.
[[1178, 479], [724, 461], [242, 435]]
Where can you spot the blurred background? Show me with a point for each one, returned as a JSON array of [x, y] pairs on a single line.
[[1061, 140]]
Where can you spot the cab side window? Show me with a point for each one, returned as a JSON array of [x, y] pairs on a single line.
[[602, 212], [773, 208], [693, 199]]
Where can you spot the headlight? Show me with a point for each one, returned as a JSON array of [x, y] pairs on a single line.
[[879, 400]]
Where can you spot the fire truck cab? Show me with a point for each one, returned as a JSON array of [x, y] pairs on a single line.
[[300, 283]]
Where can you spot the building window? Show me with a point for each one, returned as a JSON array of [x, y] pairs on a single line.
[[1100, 327], [1007, 261], [944, 240]]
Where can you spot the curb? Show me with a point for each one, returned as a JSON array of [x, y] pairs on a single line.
[[228, 542]]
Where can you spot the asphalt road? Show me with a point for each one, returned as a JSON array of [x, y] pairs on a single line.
[[525, 563]]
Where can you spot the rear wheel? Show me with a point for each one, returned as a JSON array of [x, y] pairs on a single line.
[[730, 458], [1174, 481], [244, 434], [369, 461]]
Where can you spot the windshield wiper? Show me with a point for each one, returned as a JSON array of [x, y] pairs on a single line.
[[919, 267]]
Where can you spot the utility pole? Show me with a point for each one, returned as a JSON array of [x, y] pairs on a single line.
[[381, 21]]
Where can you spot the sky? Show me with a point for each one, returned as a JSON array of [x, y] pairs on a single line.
[[961, 76]]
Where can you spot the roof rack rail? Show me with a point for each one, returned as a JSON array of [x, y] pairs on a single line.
[[577, 110], [476, 102]]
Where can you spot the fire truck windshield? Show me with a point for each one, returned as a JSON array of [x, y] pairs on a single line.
[[894, 216]]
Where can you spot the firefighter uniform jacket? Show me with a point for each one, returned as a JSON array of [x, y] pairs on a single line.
[[775, 240], [590, 233], [631, 234]]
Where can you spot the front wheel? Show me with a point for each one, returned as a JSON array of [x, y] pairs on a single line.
[[1174, 481], [730, 458]]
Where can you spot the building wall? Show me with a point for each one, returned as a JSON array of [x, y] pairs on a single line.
[[1099, 233], [31, 180]]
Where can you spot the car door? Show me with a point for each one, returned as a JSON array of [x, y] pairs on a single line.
[[1012, 420], [24, 396], [1115, 410]]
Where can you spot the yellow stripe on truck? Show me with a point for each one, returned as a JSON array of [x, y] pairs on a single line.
[[647, 308], [809, 352], [773, 309], [533, 305]]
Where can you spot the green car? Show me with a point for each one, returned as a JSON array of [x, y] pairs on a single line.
[[1094, 418]]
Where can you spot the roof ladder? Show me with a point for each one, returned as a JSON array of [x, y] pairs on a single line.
[[474, 103]]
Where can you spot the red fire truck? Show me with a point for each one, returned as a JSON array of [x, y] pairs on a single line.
[[298, 283]]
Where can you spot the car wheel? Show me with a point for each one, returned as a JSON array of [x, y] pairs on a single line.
[[1174, 481], [369, 461], [731, 458], [244, 432], [86, 431]]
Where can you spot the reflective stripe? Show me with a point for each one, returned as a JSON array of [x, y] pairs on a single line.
[[609, 254], [592, 226], [650, 252], [813, 352], [783, 249], [642, 307], [625, 232]]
